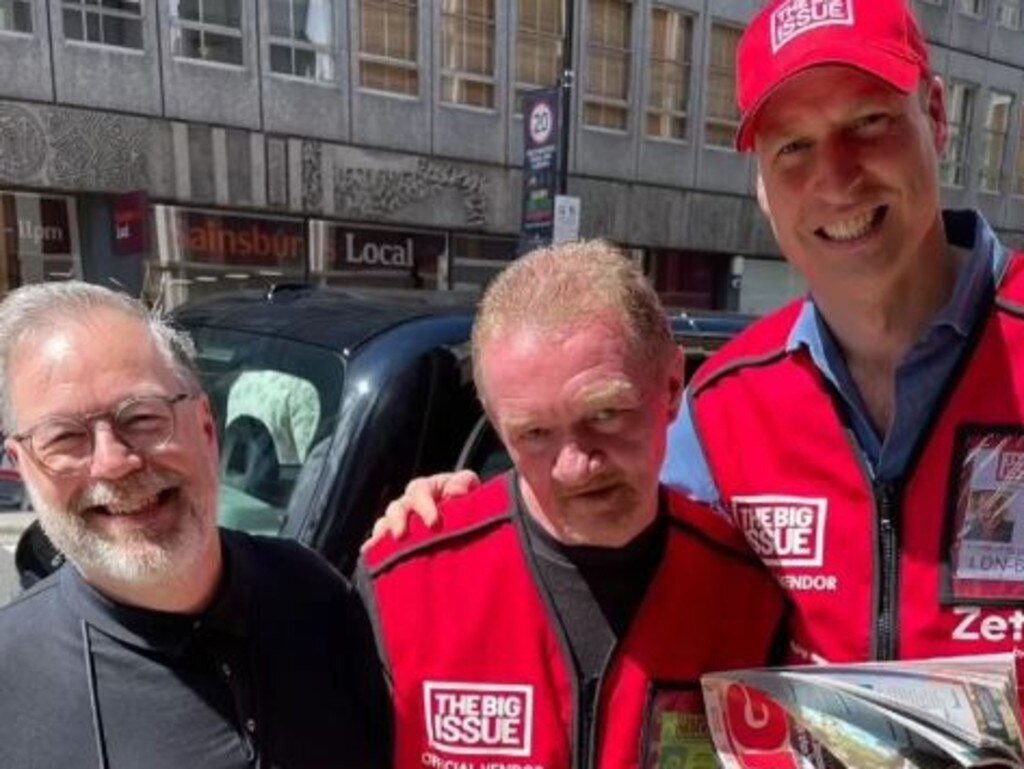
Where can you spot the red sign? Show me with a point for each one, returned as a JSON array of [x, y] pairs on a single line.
[[758, 729], [243, 240], [130, 212]]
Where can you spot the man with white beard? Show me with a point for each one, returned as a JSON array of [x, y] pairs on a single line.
[[165, 642]]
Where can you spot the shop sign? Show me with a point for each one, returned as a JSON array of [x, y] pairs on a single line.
[[411, 258], [38, 239], [130, 212], [211, 238], [36, 225]]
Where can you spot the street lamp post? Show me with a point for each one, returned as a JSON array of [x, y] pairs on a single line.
[[567, 84]]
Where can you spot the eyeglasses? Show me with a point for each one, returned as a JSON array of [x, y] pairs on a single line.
[[65, 445]]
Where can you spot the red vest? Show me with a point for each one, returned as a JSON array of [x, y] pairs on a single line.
[[876, 571], [481, 671]]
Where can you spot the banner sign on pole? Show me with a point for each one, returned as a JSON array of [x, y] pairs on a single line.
[[541, 124]]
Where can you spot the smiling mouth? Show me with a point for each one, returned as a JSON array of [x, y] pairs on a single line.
[[855, 228], [134, 507]]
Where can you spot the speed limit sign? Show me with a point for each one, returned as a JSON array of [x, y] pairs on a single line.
[[542, 122]]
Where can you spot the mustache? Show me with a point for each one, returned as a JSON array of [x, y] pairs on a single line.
[[601, 483], [124, 491]]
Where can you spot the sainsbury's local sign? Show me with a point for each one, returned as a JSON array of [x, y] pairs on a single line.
[[365, 256], [399, 258], [209, 237]]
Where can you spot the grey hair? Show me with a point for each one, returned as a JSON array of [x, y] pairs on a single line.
[[40, 307]]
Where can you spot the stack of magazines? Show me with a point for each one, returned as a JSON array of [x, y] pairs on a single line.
[[928, 714]]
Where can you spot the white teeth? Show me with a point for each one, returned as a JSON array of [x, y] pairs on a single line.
[[127, 507], [851, 229]]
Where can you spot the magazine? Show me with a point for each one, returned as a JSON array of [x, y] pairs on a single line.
[[926, 714]]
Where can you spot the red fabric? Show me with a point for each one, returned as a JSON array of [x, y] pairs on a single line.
[[880, 37], [462, 606], [769, 430]]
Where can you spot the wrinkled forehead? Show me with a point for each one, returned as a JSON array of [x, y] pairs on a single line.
[[100, 353], [545, 336], [561, 323]]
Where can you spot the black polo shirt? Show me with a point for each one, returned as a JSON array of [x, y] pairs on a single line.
[[280, 673]]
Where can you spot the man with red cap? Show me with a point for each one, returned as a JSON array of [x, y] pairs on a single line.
[[844, 433]]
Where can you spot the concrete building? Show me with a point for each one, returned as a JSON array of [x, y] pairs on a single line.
[[186, 146]]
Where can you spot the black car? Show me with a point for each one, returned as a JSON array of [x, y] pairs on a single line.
[[327, 403]]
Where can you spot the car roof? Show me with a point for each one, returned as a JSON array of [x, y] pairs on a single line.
[[327, 317], [708, 322], [345, 319]]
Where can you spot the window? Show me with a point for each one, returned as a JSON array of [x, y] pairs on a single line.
[[477, 260], [1008, 14], [210, 30], [690, 279], [388, 45], [301, 37], [16, 15], [276, 404], [467, 52], [959, 106], [997, 128], [116, 22], [972, 8], [723, 117], [609, 50], [538, 46], [668, 96], [1018, 176]]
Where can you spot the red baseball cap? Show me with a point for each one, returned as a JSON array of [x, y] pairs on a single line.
[[880, 37]]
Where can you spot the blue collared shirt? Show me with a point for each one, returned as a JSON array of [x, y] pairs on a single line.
[[921, 377]]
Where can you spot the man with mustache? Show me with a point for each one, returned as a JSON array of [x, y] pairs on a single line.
[[564, 613], [840, 433], [164, 641]]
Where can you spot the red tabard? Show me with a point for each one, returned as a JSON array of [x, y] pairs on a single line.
[[479, 665], [790, 473]]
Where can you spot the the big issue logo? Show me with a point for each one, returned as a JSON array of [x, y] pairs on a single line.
[[477, 726], [788, 532], [796, 17]]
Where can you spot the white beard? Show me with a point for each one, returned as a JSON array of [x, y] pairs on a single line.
[[144, 557]]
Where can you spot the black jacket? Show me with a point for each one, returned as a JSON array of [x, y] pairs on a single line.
[[279, 673]]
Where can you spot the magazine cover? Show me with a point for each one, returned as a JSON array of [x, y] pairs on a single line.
[[928, 714], [983, 543]]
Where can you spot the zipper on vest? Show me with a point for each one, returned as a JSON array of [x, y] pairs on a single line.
[[887, 574], [589, 697], [590, 701]]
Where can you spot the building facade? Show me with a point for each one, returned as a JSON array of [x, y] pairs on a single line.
[[178, 147]]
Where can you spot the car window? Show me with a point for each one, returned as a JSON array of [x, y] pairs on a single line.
[[286, 404], [275, 401], [483, 452], [12, 493]]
